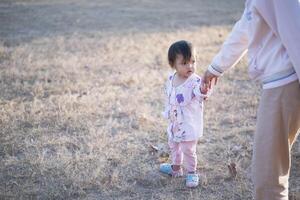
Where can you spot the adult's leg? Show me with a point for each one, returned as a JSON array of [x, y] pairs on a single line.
[[278, 121]]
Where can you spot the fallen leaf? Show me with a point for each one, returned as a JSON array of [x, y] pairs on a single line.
[[163, 157], [232, 170], [154, 148]]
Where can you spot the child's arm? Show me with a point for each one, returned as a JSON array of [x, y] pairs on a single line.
[[201, 90]]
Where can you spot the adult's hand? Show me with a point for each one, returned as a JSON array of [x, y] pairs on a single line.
[[208, 78]]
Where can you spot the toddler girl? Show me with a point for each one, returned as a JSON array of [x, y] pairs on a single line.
[[184, 110]]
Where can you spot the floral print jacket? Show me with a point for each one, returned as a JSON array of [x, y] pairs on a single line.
[[184, 109]]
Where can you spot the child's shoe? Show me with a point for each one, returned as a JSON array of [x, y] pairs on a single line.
[[167, 169], [192, 180]]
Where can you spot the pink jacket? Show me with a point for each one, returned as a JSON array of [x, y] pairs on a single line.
[[269, 30]]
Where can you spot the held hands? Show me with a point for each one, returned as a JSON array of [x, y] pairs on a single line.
[[208, 80]]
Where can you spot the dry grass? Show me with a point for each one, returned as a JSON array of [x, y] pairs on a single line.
[[80, 100]]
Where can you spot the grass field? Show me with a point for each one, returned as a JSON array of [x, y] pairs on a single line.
[[81, 87]]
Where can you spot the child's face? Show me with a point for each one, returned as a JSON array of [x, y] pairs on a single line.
[[184, 69]]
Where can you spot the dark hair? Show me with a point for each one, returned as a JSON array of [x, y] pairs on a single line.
[[182, 47]]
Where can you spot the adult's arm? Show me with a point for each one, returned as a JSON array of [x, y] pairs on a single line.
[[233, 49]]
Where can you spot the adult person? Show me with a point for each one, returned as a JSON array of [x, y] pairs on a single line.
[[269, 30]]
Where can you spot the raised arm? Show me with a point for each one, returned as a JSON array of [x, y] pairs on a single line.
[[233, 49]]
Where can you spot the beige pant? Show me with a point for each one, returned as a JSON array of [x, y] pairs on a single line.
[[278, 121]]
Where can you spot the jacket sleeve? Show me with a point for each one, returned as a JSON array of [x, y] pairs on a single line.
[[287, 18], [233, 49], [196, 93]]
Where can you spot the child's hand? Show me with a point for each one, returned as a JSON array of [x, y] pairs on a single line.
[[205, 90]]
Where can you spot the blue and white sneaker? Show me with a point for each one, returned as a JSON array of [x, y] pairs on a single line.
[[192, 180], [166, 168]]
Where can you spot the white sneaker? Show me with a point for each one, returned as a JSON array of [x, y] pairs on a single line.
[[192, 180]]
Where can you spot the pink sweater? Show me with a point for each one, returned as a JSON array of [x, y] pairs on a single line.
[[269, 30]]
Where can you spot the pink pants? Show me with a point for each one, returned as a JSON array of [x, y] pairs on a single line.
[[184, 152]]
